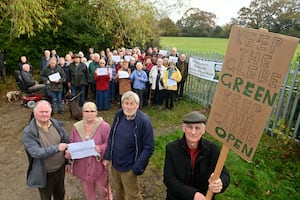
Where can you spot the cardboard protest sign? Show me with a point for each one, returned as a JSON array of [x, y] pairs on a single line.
[[253, 71]]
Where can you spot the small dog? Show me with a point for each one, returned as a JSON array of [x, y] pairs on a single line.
[[12, 95]]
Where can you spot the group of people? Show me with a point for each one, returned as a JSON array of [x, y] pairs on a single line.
[[105, 76], [124, 148]]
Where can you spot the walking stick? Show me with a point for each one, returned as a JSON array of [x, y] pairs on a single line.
[[108, 188]]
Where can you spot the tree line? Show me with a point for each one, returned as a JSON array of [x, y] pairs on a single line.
[[29, 27], [279, 16]]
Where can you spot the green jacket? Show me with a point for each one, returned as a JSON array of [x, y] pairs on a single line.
[[92, 68]]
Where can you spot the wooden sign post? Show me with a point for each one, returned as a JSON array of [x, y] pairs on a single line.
[[253, 71]]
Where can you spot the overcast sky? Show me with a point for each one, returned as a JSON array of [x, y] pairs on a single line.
[[223, 9]]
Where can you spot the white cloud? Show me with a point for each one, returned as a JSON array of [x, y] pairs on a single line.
[[223, 9]]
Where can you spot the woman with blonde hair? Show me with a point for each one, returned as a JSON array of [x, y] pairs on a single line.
[[90, 170]]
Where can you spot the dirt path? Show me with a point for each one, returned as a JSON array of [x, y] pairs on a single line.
[[13, 160]]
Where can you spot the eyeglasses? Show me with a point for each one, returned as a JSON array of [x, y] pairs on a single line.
[[102, 63], [89, 111]]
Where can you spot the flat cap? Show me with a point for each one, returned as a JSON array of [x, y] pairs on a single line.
[[194, 117], [76, 56]]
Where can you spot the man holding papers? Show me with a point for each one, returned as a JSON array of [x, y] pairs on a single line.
[[170, 79], [54, 76], [45, 141], [90, 169]]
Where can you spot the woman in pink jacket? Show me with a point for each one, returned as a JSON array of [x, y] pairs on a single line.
[[90, 170]]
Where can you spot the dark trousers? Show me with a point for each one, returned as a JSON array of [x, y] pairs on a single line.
[[181, 88], [93, 90], [112, 91], [169, 98], [77, 89], [55, 186], [158, 97], [140, 93], [56, 99], [65, 89]]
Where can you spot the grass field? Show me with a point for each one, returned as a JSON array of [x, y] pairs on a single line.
[[186, 44]]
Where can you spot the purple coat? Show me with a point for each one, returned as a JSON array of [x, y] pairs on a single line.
[[89, 169]]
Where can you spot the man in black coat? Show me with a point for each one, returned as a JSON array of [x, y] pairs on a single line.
[[190, 163]]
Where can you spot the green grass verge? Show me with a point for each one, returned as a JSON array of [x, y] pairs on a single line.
[[273, 173]]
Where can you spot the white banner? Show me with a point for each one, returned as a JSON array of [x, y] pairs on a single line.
[[204, 69]]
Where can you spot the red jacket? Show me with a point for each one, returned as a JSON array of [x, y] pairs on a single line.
[[102, 82]]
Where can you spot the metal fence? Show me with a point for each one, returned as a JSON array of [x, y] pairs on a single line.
[[285, 116]]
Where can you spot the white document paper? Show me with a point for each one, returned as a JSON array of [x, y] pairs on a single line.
[[123, 74], [173, 59], [171, 82], [54, 77], [163, 52], [82, 149], [116, 58], [101, 71], [111, 73], [127, 58]]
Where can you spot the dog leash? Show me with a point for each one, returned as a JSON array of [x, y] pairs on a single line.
[[73, 98]]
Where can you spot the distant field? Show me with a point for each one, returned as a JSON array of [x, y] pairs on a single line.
[[195, 43], [201, 44]]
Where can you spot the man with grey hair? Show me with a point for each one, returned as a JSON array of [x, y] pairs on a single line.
[[45, 60], [30, 83], [190, 162], [45, 141], [92, 68], [130, 146]]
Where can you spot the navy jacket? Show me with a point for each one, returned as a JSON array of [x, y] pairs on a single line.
[[144, 141]]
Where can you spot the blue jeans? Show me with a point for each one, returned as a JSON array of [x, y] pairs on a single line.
[[77, 89], [56, 99]]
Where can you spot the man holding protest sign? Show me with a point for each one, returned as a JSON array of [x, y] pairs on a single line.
[[190, 162], [253, 70]]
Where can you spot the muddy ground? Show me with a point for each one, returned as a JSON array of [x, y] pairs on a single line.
[[13, 160]]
